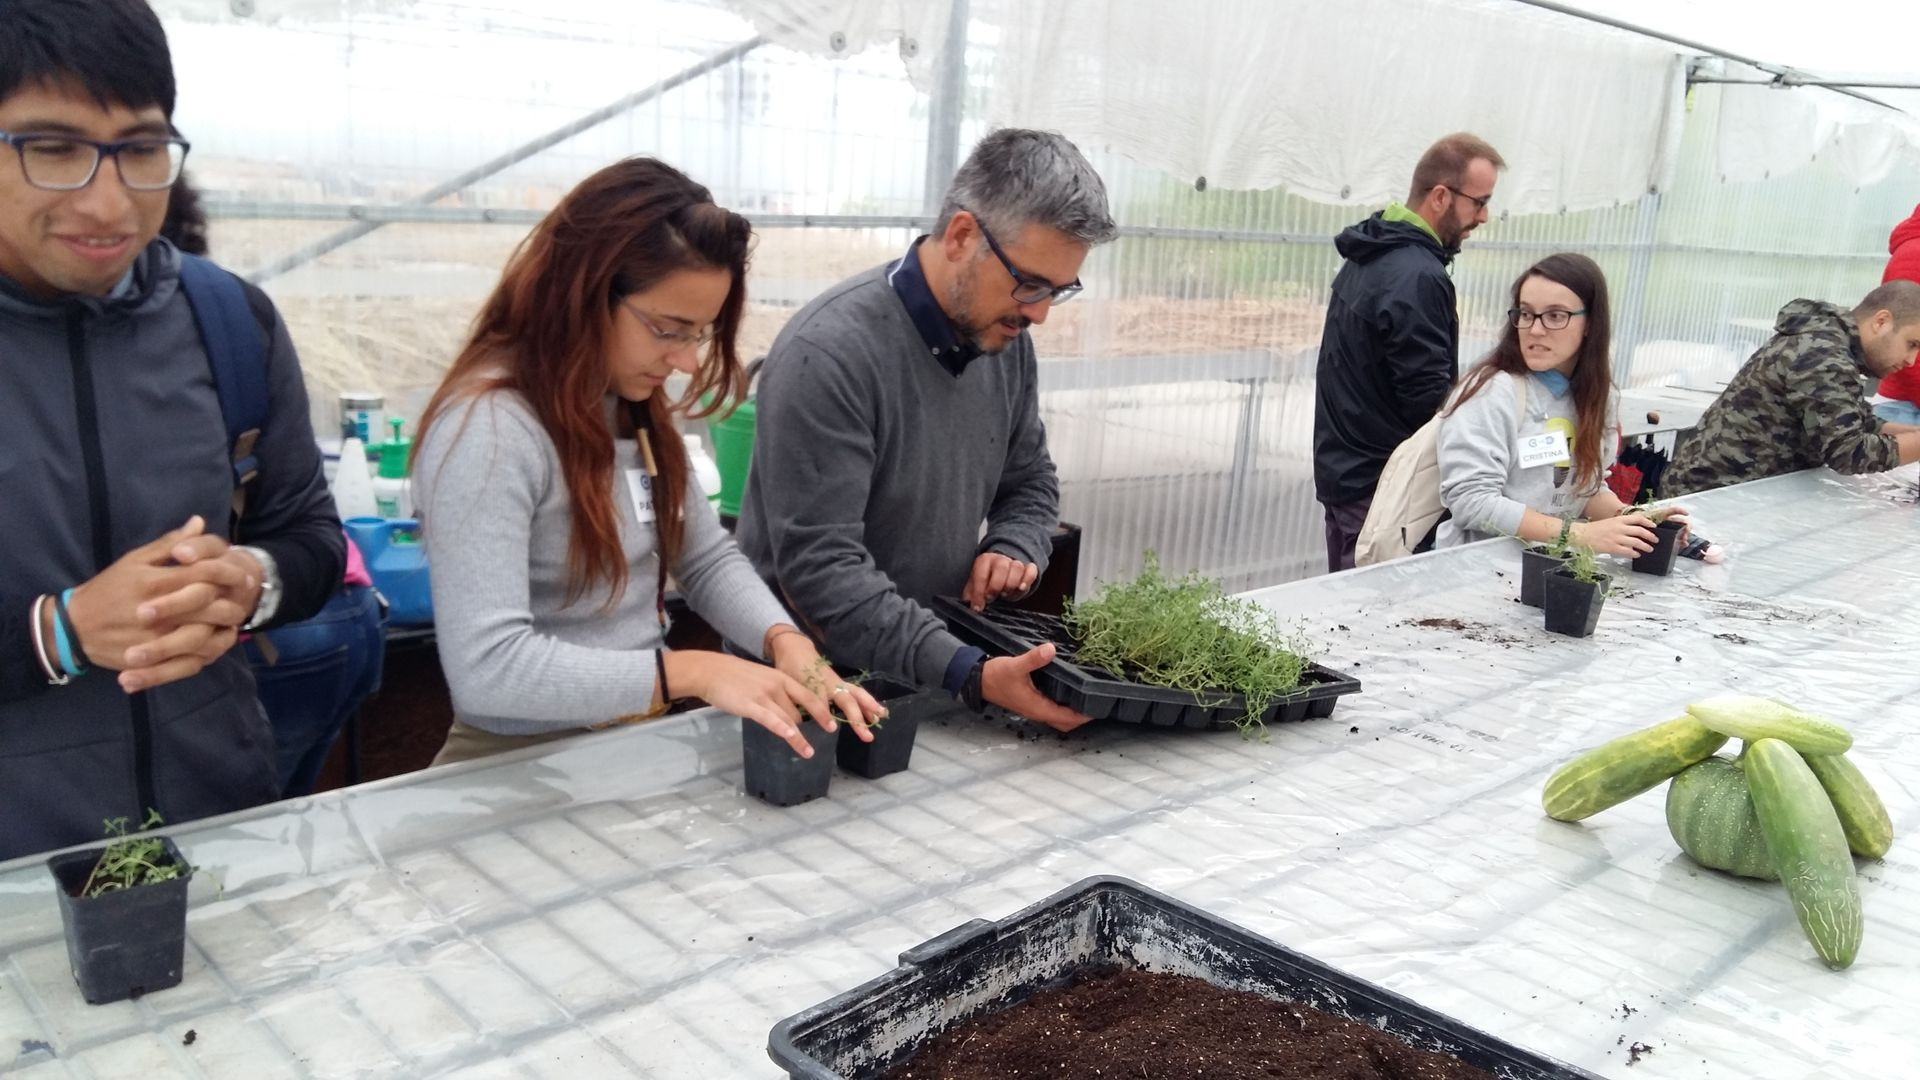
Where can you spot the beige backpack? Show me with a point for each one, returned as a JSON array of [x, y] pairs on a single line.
[[1406, 504]]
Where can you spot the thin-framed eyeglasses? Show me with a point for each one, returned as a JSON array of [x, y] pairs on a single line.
[[1552, 318], [1027, 288], [69, 163], [1479, 201], [673, 339]]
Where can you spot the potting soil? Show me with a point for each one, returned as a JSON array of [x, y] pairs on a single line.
[[1130, 1023]]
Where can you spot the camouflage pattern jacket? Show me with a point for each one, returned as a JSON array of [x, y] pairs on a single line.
[[1799, 403]]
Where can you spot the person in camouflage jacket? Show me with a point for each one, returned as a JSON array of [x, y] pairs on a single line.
[[1800, 402]]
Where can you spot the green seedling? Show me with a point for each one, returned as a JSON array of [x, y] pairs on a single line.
[[1585, 568], [1187, 634], [816, 680], [131, 861]]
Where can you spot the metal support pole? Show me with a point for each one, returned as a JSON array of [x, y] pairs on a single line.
[[512, 157], [1778, 71], [1790, 83], [948, 106]]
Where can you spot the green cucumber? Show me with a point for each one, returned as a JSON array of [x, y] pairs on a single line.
[[1711, 817], [1863, 817], [1744, 716], [1808, 846], [1612, 773]]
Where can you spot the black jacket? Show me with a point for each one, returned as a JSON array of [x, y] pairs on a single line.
[[110, 435], [1388, 355]]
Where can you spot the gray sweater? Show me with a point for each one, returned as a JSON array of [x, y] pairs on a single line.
[[494, 509], [1481, 480], [874, 468]]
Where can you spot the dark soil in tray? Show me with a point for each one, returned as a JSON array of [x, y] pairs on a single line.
[[1138, 1024]]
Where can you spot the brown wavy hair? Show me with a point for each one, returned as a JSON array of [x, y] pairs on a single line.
[[544, 333], [1592, 379]]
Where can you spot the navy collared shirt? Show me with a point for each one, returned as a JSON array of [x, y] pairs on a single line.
[[928, 317]]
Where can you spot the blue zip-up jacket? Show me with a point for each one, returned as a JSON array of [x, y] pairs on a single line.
[[110, 435]]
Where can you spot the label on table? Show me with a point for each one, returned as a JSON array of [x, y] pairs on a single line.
[[1545, 448]]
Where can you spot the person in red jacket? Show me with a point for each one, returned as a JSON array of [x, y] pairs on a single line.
[[1902, 388]]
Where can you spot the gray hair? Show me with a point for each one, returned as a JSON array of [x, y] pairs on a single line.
[[1018, 177]]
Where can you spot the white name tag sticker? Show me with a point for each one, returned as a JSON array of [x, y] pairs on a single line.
[[1545, 448], [640, 486]]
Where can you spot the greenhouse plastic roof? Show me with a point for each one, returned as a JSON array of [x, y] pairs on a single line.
[[615, 904]]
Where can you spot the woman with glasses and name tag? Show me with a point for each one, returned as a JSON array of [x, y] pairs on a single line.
[[556, 496], [1525, 443]]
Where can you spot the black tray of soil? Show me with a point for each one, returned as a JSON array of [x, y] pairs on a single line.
[[1107, 931], [1102, 695]]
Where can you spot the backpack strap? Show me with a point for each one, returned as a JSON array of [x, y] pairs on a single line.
[[231, 331]]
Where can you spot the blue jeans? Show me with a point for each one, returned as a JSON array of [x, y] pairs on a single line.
[[1895, 411], [327, 666]]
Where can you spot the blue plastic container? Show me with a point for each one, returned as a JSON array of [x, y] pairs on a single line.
[[397, 561]]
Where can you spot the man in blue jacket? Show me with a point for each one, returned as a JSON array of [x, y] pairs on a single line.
[[120, 689], [1391, 347]]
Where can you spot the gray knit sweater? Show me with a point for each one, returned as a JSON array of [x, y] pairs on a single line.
[[494, 508], [878, 476], [1481, 480]]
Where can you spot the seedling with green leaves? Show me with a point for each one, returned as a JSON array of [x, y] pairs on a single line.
[[1659, 514], [1584, 566], [1187, 634], [131, 861], [816, 681]]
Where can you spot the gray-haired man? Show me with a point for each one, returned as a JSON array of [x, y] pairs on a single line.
[[899, 411]]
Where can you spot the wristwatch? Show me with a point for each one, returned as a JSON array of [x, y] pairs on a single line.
[[269, 589], [970, 689]]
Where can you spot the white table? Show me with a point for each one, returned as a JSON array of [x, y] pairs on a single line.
[[615, 906], [1677, 411]]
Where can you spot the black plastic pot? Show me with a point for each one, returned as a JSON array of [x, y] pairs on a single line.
[[127, 942], [1100, 923], [776, 774], [1573, 606], [892, 745], [1666, 548], [1534, 565]]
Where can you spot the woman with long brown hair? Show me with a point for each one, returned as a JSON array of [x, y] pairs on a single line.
[[556, 496], [1526, 442]]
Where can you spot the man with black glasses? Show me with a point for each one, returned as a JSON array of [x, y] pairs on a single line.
[[126, 587], [1391, 347], [899, 412]]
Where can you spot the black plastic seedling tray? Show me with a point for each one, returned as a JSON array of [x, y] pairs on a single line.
[[1100, 923], [1103, 695]]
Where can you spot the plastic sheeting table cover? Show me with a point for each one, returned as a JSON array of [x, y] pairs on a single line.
[[616, 906]]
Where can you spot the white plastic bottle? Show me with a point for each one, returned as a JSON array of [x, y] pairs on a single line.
[[392, 491], [353, 484], [393, 497], [705, 469]]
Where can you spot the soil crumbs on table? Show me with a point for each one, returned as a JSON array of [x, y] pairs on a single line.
[[1141, 1024]]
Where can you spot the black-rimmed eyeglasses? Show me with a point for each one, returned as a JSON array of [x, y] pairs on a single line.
[[1552, 318], [1479, 201], [1028, 288], [67, 163]]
